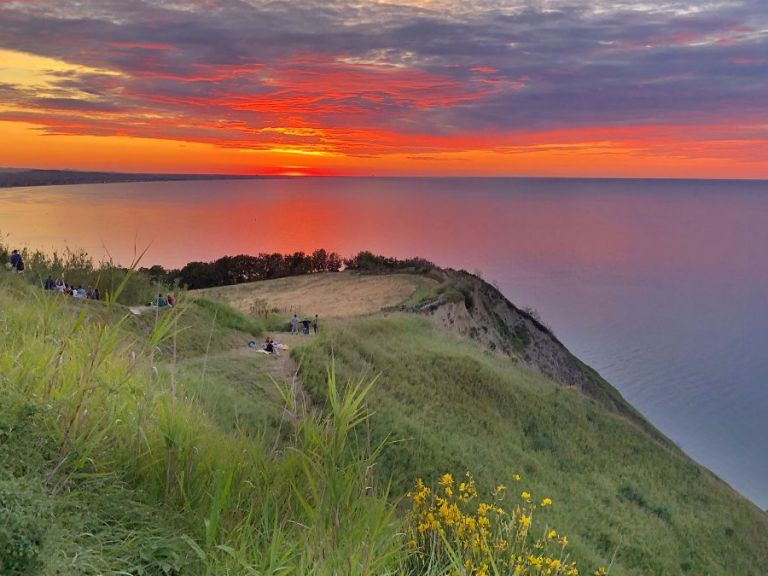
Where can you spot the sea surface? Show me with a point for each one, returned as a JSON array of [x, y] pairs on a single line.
[[661, 285]]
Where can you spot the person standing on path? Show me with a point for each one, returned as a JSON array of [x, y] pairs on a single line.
[[314, 324], [295, 324], [15, 259]]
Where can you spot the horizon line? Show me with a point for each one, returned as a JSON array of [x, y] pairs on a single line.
[[234, 175]]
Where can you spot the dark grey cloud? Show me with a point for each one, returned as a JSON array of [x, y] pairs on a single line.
[[222, 71]]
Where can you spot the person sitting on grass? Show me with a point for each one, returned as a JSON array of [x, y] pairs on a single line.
[[171, 300]]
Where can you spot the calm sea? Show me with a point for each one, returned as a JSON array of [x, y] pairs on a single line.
[[661, 285]]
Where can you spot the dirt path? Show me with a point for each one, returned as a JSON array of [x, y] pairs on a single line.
[[285, 369]]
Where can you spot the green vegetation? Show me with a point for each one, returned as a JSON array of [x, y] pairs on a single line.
[[159, 444], [137, 285], [112, 464], [449, 405], [231, 318], [229, 270], [368, 262], [77, 268]]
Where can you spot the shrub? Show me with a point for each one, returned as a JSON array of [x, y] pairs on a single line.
[[373, 263], [23, 522]]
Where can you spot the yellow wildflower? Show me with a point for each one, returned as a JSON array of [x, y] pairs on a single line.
[[467, 490], [483, 509], [484, 534], [421, 493]]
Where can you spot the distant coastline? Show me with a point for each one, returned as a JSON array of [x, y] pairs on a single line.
[[21, 177]]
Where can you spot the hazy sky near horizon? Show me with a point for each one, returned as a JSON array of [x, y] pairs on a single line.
[[391, 87]]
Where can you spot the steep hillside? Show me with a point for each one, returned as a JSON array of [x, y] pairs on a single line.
[[468, 381], [466, 305], [162, 444], [447, 404]]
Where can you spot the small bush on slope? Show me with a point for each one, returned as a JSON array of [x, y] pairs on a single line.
[[23, 522]]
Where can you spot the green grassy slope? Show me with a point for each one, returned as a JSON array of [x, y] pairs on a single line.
[[454, 407], [159, 444], [61, 511]]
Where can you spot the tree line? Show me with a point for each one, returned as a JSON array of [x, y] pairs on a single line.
[[242, 268], [78, 268], [229, 270]]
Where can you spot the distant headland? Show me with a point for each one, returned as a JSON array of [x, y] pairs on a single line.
[[18, 177]]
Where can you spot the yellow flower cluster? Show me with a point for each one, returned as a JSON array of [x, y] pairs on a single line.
[[447, 524]]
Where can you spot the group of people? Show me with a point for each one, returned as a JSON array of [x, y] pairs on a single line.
[[164, 301], [16, 265], [305, 324], [271, 346], [62, 287]]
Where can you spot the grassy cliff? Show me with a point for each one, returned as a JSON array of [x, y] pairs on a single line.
[[160, 443], [619, 490]]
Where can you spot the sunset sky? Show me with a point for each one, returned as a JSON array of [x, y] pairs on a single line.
[[662, 88]]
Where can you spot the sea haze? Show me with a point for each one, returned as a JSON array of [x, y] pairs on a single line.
[[660, 285]]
